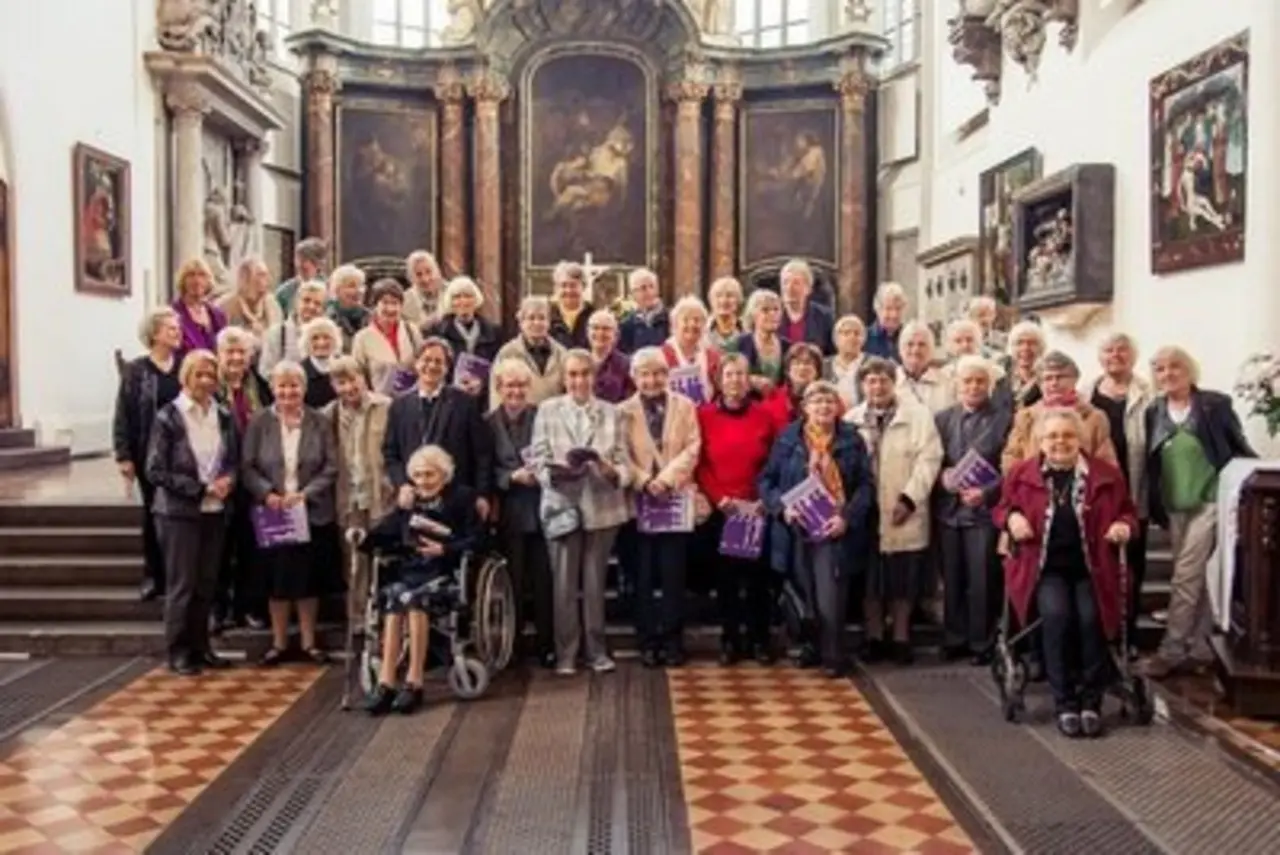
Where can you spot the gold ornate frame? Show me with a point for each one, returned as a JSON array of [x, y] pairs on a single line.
[[387, 105], [612, 50], [81, 155], [807, 105]]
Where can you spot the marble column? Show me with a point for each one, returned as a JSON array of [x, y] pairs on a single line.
[[451, 93], [320, 84], [488, 90], [724, 178], [189, 105], [851, 291], [688, 96]]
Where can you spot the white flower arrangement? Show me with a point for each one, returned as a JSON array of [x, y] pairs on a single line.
[[1258, 385]]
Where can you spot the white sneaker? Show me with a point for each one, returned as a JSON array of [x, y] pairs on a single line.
[[603, 665], [566, 671]]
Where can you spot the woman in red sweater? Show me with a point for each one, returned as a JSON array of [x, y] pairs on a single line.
[[737, 433], [800, 367]]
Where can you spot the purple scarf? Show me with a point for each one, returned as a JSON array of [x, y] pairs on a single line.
[[195, 336]]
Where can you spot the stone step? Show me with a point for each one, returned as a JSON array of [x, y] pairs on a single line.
[[44, 541], [57, 515], [78, 603], [71, 570], [17, 438], [14, 459]]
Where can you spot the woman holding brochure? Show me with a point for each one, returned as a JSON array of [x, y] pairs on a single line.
[[291, 465], [817, 489], [693, 361], [663, 442]]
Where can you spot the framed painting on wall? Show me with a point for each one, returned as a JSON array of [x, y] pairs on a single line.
[[1199, 144], [103, 226], [387, 179], [277, 251], [996, 186], [789, 178]]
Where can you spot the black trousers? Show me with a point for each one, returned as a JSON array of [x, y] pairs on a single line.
[[152, 556], [236, 594], [661, 566], [193, 553], [972, 585], [743, 596], [1075, 652], [1136, 555], [825, 586], [530, 569]]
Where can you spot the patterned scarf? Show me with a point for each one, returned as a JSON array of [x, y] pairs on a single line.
[[1070, 398], [243, 401], [875, 422], [821, 462]]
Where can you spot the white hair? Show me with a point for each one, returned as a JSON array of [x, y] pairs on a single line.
[[849, 321], [797, 267], [972, 363], [647, 359], [1064, 414], [1179, 356], [724, 283], [346, 274], [889, 291], [512, 368], [602, 318], [1121, 338], [461, 285], [982, 301], [686, 305], [910, 330], [315, 327], [756, 302], [958, 326], [578, 354], [638, 276], [312, 286], [431, 457], [150, 323], [236, 337], [287, 368], [1026, 329], [420, 255], [534, 303]]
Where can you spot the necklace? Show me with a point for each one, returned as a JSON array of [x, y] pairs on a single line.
[[1061, 488]]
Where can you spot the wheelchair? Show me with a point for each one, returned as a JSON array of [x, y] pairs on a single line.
[[472, 609]]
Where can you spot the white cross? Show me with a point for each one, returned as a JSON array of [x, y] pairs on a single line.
[[591, 272]]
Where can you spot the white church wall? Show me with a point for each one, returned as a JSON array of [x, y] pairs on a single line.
[[62, 85], [1092, 106]]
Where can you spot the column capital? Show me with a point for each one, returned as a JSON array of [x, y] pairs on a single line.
[[853, 85], [687, 91], [187, 99], [449, 87], [489, 87], [321, 81]]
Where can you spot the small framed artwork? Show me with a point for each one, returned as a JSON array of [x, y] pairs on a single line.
[[103, 222], [1199, 143], [996, 187], [277, 252]]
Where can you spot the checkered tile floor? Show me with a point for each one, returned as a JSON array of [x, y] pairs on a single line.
[[779, 760], [109, 780]]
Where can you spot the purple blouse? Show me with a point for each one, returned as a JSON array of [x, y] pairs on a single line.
[[613, 378], [195, 336]]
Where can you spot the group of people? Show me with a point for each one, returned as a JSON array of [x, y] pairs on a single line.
[[848, 465]]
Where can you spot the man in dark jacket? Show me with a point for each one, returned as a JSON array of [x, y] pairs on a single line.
[[649, 324], [802, 318]]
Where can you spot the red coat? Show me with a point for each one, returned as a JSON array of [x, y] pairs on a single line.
[[1106, 501], [735, 448]]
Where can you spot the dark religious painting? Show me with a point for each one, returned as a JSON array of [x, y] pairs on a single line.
[[996, 260], [1199, 142], [103, 231], [386, 179], [789, 180], [6, 317], [588, 168], [277, 251]]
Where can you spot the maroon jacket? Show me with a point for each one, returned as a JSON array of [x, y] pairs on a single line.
[[1106, 501]]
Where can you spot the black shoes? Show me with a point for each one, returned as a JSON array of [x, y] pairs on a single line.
[[385, 699], [408, 700], [650, 659], [954, 652], [149, 590], [184, 666], [209, 659]]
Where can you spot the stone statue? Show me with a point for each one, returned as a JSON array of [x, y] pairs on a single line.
[[189, 26], [225, 29], [260, 60], [1021, 26], [714, 18], [464, 18], [217, 236]]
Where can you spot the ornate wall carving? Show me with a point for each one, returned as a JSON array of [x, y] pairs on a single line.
[[983, 32]]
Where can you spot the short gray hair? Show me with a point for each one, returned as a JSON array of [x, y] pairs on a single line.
[[960, 325], [756, 302], [287, 368], [1056, 360], [315, 327], [567, 270], [511, 367], [889, 291], [431, 457], [578, 354], [420, 255], [459, 285], [686, 305], [150, 323], [797, 267], [236, 336], [648, 358], [1026, 329], [345, 274], [534, 303], [724, 283], [640, 274], [1118, 337], [247, 267], [972, 363], [910, 330], [1065, 414], [312, 249], [312, 286], [1179, 355]]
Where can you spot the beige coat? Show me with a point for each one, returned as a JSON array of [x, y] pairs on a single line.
[[592, 503], [681, 442], [370, 451], [373, 352], [237, 313], [1024, 439], [415, 310], [935, 389], [545, 385], [906, 463], [1135, 433]]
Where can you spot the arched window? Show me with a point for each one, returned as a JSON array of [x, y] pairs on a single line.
[[409, 23], [771, 23], [902, 28], [276, 18]]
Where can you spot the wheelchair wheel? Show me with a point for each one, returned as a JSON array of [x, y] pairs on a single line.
[[495, 615], [468, 678]]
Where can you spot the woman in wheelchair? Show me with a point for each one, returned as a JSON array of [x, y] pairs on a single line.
[[1065, 514], [427, 541]]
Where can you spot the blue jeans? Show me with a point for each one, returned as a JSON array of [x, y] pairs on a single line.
[[1075, 652]]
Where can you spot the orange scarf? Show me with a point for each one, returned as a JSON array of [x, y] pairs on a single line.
[[821, 462]]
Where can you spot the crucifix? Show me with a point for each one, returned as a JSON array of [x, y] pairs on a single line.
[[590, 273]]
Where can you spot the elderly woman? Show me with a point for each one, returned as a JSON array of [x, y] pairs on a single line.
[[346, 306], [841, 368], [251, 305], [569, 305], [422, 300], [688, 345], [803, 319], [1026, 346], [763, 347], [147, 383], [890, 305], [1063, 510], [535, 348], [244, 393], [199, 319], [801, 366], [363, 493], [319, 346], [519, 528], [310, 258], [966, 544], [906, 454], [429, 553], [291, 460], [1191, 434], [192, 461], [984, 312], [725, 327], [385, 349], [737, 434], [663, 442], [962, 338], [613, 368], [1123, 397], [284, 340], [919, 378], [648, 325], [819, 445], [465, 330], [1058, 378], [579, 455]]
